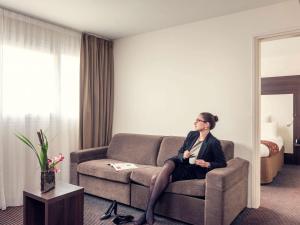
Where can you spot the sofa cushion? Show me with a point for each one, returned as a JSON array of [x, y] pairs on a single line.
[[134, 148], [143, 176], [195, 187], [171, 144], [228, 148], [99, 168], [168, 148]]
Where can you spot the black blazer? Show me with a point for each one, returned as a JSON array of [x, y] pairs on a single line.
[[210, 151]]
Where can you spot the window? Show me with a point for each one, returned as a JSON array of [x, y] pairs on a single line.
[[39, 83]]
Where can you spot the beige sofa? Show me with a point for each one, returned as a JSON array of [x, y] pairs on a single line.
[[217, 200]]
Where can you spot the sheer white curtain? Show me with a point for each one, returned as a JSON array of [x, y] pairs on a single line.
[[39, 89]]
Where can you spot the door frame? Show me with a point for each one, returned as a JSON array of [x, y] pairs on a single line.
[[256, 81]]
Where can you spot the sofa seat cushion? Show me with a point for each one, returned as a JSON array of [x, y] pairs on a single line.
[[195, 187], [99, 168], [143, 175]]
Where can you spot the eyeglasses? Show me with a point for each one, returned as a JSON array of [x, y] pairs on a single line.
[[198, 120]]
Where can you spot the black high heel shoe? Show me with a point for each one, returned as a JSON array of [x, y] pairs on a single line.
[[111, 208], [123, 219]]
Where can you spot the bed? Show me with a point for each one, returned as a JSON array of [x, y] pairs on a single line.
[[271, 152]]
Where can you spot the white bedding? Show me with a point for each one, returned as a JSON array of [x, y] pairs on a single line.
[[264, 151]]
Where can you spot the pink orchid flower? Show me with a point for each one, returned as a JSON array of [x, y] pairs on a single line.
[[53, 163]]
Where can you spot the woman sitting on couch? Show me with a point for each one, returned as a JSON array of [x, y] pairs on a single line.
[[200, 153]]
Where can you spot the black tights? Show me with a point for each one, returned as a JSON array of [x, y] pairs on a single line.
[[158, 184]]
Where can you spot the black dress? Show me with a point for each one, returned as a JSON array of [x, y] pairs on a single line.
[[210, 151]]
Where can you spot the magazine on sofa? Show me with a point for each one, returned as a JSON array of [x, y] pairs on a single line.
[[122, 166]]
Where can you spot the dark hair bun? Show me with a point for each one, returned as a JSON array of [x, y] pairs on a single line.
[[216, 118], [210, 118]]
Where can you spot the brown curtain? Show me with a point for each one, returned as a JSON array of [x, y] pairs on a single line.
[[96, 91]]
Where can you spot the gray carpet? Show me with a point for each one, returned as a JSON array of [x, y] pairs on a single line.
[[95, 207], [280, 201], [280, 205]]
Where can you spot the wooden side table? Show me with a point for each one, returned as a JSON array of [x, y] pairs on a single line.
[[61, 206]]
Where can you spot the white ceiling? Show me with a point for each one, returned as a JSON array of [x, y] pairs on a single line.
[[119, 18]]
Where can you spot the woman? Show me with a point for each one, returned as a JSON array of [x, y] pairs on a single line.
[[200, 153]]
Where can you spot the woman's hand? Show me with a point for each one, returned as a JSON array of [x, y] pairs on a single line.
[[202, 163], [186, 154]]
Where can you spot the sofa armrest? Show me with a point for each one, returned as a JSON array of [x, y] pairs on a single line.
[[226, 192], [88, 154], [80, 156]]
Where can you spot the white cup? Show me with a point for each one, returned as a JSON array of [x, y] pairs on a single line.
[[192, 160]]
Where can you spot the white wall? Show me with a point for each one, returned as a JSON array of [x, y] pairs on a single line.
[[163, 79], [280, 57], [279, 109]]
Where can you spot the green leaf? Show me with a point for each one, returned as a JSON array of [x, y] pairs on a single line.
[[43, 163], [27, 142], [46, 144]]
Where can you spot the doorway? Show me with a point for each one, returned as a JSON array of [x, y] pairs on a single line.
[[288, 126]]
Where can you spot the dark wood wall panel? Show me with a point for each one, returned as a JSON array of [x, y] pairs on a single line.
[[286, 85]]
